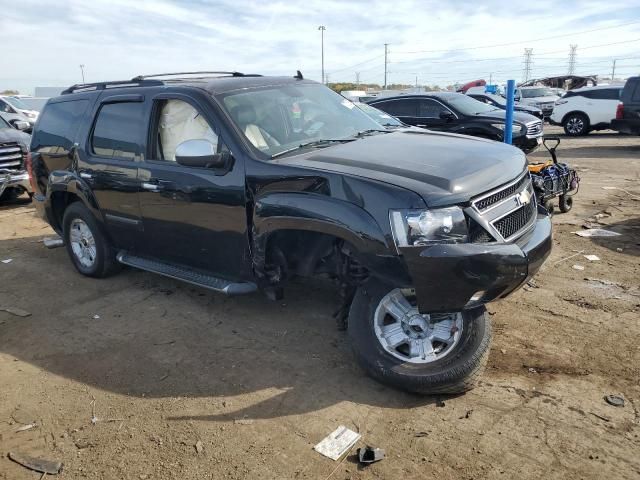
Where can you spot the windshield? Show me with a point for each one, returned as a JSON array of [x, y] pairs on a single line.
[[278, 119], [16, 103], [537, 92], [467, 105], [497, 99], [379, 116], [4, 124]]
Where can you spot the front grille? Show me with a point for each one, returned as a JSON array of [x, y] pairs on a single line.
[[11, 156], [496, 197], [515, 221], [534, 128]]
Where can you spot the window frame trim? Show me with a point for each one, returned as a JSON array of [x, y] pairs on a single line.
[[112, 100], [153, 126]]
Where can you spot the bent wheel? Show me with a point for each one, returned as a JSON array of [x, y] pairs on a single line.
[[421, 353]]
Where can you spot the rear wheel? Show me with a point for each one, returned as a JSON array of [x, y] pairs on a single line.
[[87, 245], [421, 353], [576, 124]]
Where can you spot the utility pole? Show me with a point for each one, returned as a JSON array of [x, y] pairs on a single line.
[[322, 28], [358, 78], [416, 81], [527, 64], [82, 71], [386, 45], [572, 58], [613, 70], [490, 78]]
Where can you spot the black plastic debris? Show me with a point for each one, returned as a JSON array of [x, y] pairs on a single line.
[[614, 400], [369, 455]]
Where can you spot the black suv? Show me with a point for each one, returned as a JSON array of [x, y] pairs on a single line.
[[240, 182], [500, 102], [459, 113], [628, 113]]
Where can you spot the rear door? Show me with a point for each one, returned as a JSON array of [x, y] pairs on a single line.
[[192, 216], [601, 104], [108, 164], [631, 100]]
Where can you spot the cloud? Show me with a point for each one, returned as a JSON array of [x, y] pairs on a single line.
[[45, 42]]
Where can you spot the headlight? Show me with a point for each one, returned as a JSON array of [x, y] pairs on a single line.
[[515, 127], [426, 227]]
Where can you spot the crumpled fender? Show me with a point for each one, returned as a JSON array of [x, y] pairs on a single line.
[[315, 213], [69, 182]]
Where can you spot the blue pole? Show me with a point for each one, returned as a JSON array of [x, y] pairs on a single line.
[[508, 121]]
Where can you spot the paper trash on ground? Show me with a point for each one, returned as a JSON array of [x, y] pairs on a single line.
[[337, 443], [597, 232], [592, 258]]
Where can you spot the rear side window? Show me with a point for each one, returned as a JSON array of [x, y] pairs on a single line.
[[57, 126], [636, 94], [119, 130], [398, 108], [602, 94]]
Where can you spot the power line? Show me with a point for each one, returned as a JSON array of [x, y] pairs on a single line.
[[524, 41]]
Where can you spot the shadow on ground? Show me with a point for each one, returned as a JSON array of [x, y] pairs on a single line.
[[629, 240], [144, 335]]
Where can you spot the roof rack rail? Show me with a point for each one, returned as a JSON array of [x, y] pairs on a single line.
[[173, 74], [87, 87]]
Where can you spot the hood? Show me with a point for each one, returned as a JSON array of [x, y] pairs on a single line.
[[12, 135], [526, 108], [500, 114], [534, 100], [443, 168]]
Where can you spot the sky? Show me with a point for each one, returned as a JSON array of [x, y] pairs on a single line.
[[434, 42]]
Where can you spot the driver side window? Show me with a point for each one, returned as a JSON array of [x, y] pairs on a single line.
[[178, 122]]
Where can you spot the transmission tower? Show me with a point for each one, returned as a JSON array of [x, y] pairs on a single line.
[[572, 59], [526, 74]]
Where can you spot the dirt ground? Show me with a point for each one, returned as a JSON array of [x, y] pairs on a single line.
[[161, 366]]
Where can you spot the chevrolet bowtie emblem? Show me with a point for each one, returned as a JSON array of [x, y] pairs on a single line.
[[523, 198]]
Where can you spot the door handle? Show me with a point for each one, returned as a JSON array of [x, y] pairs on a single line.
[[86, 175]]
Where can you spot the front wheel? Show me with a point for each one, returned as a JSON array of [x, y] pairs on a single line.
[[420, 353], [576, 124]]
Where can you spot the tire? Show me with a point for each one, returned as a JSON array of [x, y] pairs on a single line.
[[576, 124], [548, 205], [566, 202], [10, 194], [104, 263], [456, 372]]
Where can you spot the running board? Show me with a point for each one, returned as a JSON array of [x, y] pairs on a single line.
[[186, 275]]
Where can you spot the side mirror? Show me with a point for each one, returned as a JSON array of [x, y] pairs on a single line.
[[446, 115], [201, 153], [21, 125]]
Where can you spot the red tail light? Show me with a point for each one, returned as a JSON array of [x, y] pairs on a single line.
[[28, 165], [620, 111]]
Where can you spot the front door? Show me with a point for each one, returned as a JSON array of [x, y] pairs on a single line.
[[434, 115], [192, 216]]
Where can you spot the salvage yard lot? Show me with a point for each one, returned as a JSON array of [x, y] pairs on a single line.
[[162, 365]]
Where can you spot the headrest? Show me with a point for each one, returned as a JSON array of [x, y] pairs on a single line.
[[244, 115]]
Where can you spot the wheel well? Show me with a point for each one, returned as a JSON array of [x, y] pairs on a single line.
[[300, 253], [566, 115], [59, 203]]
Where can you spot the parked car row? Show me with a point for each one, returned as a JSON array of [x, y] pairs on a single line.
[[459, 113]]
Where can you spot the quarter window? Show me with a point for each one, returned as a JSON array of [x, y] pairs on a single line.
[[119, 131], [58, 125]]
